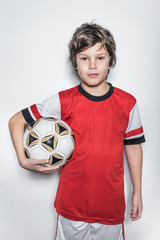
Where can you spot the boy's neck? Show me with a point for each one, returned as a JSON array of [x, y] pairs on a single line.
[[99, 90]]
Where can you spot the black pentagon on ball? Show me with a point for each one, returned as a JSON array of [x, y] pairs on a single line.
[[61, 129], [50, 141], [32, 139], [55, 159]]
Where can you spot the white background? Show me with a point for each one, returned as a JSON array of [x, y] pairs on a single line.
[[33, 59]]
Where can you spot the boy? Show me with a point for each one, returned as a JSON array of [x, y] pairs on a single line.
[[90, 196]]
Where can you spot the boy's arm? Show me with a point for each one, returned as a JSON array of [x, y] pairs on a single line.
[[16, 127], [134, 155]]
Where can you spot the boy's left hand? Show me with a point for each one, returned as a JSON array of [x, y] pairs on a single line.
[[137, 205]]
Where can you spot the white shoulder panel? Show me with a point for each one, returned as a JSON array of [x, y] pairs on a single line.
[[50, 107], [134, 119]]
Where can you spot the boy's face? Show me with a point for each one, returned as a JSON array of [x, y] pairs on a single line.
[[93, 65]]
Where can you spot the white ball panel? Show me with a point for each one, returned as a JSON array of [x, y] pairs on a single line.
[[45, 127], [38, 152], [65, 145]]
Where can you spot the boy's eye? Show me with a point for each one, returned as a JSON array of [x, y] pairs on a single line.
[[84, 58], [100, 58]]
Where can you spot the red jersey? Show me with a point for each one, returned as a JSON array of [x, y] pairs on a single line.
[[91, 185]]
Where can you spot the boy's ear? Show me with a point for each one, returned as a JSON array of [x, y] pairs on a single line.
[[109, 68]]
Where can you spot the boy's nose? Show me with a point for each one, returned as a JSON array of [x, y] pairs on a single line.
[[92, 65]]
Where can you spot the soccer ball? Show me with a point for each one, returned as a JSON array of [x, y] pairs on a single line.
[[49, 138]]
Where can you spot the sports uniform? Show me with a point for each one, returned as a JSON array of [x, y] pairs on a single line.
[[91, 186]]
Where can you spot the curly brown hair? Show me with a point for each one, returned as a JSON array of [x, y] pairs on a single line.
[[87, 35]]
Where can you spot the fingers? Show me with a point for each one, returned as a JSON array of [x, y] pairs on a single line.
[[40, 166], [136, 214], [41, 161], [48, 169], [137, 204]]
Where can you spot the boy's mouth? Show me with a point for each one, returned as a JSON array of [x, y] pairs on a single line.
[[93, 74]]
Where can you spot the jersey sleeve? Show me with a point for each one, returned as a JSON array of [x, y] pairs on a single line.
[[50, 107], [134, 133]]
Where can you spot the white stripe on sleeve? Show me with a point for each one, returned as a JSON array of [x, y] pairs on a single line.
[[30, 111]]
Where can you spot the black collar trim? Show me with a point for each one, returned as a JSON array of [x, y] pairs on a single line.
[[96, 98]]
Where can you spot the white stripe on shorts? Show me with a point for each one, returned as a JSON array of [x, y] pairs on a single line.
[[79, 230]]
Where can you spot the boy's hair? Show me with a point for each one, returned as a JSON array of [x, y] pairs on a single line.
[[87, 35]]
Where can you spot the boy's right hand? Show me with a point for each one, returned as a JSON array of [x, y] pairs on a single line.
[[16, 127], [37, 165]]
